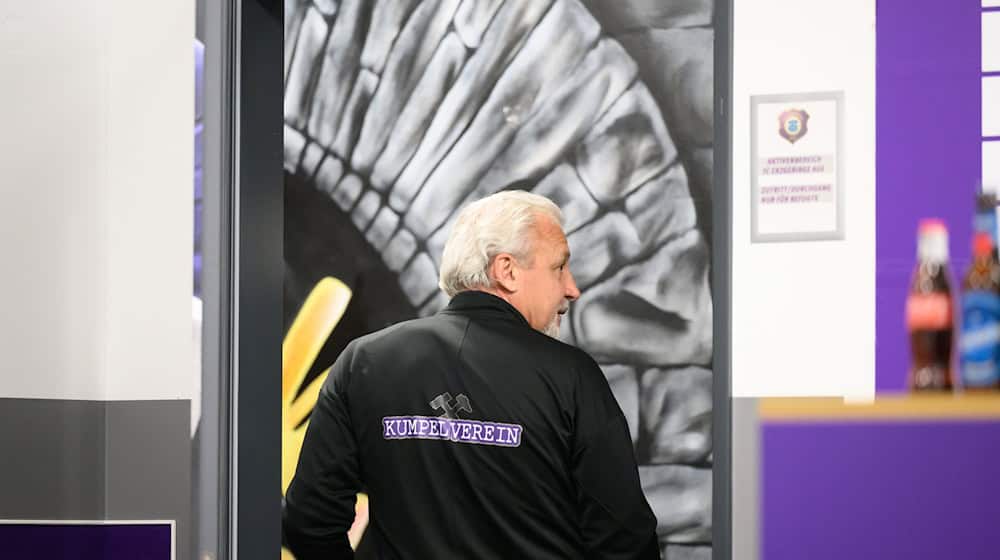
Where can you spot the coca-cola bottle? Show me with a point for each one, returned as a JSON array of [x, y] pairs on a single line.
[[930, 311]]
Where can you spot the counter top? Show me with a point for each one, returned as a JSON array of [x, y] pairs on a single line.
[[889, 407]]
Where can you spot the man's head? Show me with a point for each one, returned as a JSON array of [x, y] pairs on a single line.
[[511, 244]]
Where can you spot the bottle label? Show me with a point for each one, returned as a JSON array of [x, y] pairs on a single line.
[[928, 312], [979, 343]]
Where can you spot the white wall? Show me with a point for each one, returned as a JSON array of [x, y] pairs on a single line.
[[96, 215], [991, 96], [804, 313]]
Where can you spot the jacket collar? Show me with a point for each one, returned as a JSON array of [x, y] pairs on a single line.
[[475, 301]]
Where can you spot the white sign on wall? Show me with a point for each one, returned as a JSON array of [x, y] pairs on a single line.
[[796, 171]]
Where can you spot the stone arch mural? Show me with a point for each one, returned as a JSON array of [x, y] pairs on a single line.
[[399, 112]]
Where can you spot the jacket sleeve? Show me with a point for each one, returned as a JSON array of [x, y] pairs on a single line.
[[318, 508], [616, 520]]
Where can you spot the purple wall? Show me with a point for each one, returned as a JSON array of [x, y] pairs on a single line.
[[928, 155], [86, 542], [881, 491]]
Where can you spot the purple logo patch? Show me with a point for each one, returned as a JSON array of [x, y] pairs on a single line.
[[453, 430]]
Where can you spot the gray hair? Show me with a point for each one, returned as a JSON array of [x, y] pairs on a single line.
[[500, 223]]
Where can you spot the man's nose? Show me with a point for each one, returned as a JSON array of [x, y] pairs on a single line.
[[572, 292]]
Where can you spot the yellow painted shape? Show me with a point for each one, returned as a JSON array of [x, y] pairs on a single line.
[[302, 407], [317, 318], [320, 313]]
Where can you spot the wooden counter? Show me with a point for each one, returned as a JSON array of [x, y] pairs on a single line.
[[903, 407]]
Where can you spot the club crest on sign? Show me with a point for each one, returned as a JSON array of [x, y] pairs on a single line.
[[793, 124]]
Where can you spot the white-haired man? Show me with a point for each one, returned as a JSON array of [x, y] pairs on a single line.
[[475, 434]]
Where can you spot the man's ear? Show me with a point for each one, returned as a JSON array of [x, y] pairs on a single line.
[[505, 273]]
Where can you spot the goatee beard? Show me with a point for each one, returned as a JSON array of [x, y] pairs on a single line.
[[552, 329]]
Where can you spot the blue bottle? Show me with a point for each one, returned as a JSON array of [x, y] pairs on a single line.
[[979, 342]]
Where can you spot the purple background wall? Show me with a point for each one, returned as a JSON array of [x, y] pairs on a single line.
[[877, 490], [86, 542], [928, 154]]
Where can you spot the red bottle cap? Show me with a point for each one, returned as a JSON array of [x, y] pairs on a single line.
[[982, 245]]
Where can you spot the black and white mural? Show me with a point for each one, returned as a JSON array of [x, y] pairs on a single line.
[[399, 112]]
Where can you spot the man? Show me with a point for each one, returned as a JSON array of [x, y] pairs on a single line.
[[475, 432]]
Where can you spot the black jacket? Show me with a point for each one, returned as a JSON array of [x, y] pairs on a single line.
[[475, 436]]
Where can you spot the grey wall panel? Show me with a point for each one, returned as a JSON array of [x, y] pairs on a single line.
[[746, 480], [148, 464], [53, 459], [97, 460]]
